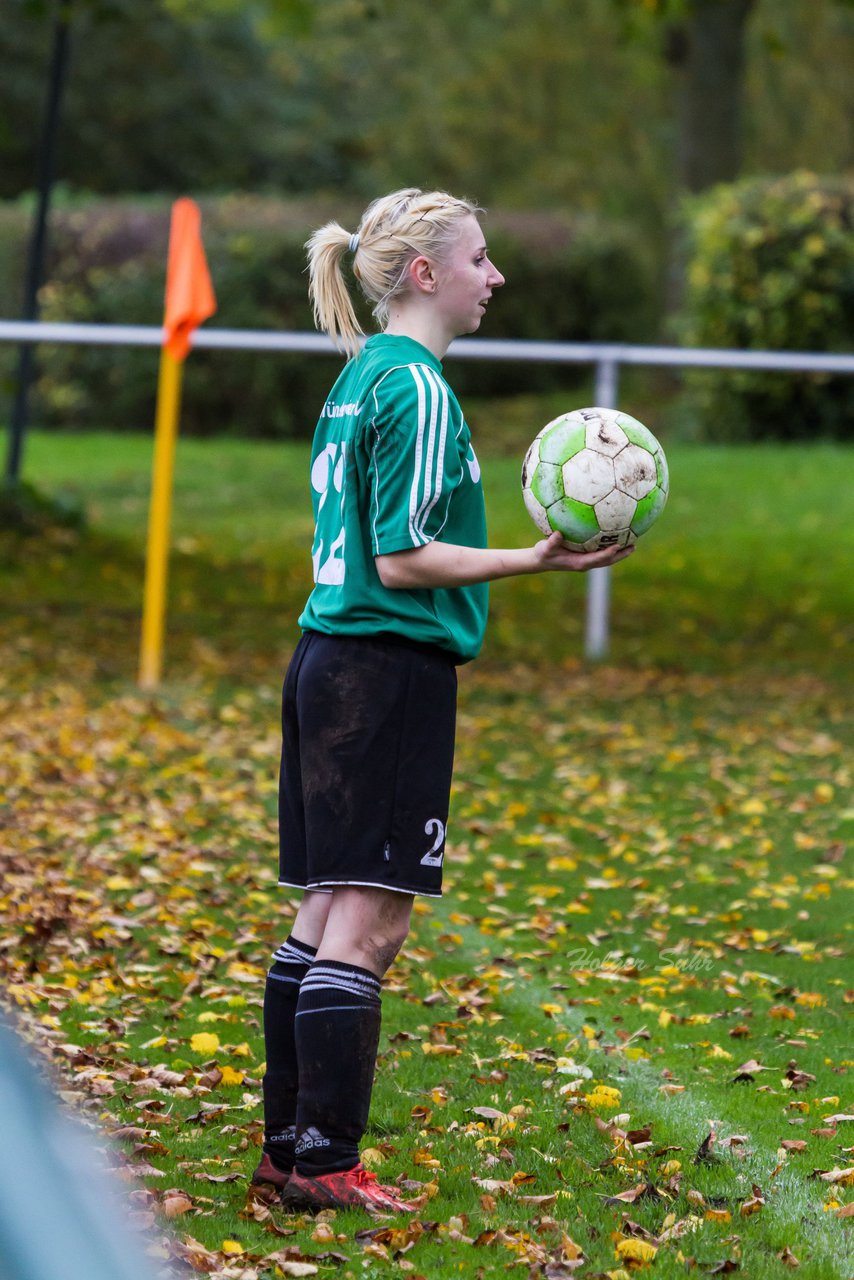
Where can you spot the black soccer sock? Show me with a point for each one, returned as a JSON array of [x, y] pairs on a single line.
[[281, 1080], [337, 1033]]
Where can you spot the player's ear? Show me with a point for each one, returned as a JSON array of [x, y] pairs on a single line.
[[422, 275]]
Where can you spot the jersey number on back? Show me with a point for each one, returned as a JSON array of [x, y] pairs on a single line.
[[327, 473]]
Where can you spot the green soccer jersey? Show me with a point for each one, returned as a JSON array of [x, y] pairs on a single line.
[[392, 467]]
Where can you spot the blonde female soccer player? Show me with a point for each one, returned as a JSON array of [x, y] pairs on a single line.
[[401, 564]]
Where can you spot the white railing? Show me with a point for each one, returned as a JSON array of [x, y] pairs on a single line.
[[138, 335], [606, 357]]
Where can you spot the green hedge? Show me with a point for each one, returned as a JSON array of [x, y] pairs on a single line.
[[570, 279], [771, 266]]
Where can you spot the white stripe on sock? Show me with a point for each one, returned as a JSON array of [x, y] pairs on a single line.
[[292, 953], [327, 970], [333, 1008], [354, 988], [316, 979]]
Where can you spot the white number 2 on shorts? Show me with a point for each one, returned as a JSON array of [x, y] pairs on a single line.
[[432, 858]]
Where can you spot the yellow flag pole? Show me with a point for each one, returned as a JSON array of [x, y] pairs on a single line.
[[157, 554]]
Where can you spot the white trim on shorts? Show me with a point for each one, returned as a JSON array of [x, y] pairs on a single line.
[[306, 888], [326, 887]]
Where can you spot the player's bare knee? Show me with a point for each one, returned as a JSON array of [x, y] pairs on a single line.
[[311, 917], [383, 944], [315, 906], [383, 951]]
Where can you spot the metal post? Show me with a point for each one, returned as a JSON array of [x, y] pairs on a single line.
[[35, 263], [599, 580]]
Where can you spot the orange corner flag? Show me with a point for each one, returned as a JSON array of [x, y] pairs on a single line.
[[189, 300], [189, 293]]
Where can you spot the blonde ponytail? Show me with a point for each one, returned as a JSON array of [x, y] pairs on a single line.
[[327, 288], [392, 232]]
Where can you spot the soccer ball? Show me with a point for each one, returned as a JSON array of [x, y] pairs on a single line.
[[596, 476]]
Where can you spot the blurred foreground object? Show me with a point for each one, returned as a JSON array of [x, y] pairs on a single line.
[[59, 1215]]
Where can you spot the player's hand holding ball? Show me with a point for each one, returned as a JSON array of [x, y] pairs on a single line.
[[554, 553]]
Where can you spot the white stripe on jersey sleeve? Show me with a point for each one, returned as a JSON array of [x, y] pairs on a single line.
[[432, 417], [419, 452], [433, 482]]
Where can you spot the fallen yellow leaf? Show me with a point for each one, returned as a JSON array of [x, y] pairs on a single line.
[[204, 1042], [636, 1250], [230, 1076], [603, 1097]]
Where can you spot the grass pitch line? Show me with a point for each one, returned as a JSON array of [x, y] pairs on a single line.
[[792, 1214], [790, 1206]]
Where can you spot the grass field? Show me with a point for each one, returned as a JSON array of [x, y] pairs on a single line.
[[622, 1039]]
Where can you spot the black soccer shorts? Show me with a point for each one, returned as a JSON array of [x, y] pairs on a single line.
[[368, 728]]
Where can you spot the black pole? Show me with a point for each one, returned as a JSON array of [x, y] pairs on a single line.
[[35, 261]]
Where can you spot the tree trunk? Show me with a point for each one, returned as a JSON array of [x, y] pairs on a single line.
[[706, 50]]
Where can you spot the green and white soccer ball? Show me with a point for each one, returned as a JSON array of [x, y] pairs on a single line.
[[596, 476]]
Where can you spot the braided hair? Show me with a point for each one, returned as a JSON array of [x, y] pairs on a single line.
[[392, 232]]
